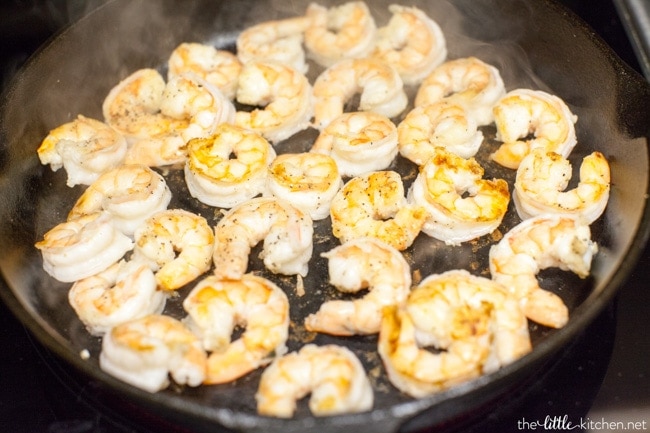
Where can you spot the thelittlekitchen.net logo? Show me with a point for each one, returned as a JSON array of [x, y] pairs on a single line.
[[559, 423]]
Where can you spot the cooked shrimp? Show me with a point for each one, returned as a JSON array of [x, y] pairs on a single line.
[[177, 245], [158, 119], [359, 142], [309, 181], [461, 205], [278, 41], [542, 178], [380, 87], [523, 112], [123, 292], [340, 32], [411, 42], [439, 124], [82, 247], [285, 95], [198, 103], [130, 193], [332, 374], [474, 322], [469, 82], [286, 231], [220, 68], [229, 167], [133, 105], [144, 352], [537, 243], [374, 205], [85, 148], [216, 307], [364, 263]]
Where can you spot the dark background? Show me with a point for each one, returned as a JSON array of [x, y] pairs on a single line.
[[603, 375]]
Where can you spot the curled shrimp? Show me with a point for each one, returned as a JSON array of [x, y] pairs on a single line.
[[228, 167], [373, 205], [309, 181], [123, 292], [460, 204], [133, 105], [130, 193], [145, 352], [359, 142], [411, 42], [538, 243], [220, 68], [340, 32], [522, 113], [469, 82], [284, 94], [177, 245], [279, 41], [364, 263], [216, 307], [85, 148], [474, 322], [380, 87], [158, 118], [332, 374], [82, 247], [287, 233], [542, 179], [441, 123]]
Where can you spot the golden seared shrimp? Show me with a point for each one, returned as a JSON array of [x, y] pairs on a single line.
[[177, 245], [332, 374], [524, 112], [537, 243], [374, 205], [443, 124], [411, 42], [363, 263], [130, 193], [284, 94], [380, 87], [85, 148], [469, 82], [340, 32], [158, 118], [308, 181], [542, 179], [216, 307], [359, 142], [277, 41], [82, 247], [228, 167], [123, 292], [220, 68], [287, 233], [190, 98], [133, 105], [476, 325], [460, 204], [145, 352]]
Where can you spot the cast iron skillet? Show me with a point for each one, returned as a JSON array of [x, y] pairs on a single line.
[[534, 44]]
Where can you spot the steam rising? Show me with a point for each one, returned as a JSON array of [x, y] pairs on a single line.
[[115, 41]]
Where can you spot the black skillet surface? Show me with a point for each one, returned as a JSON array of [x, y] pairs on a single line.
[[535, 45]]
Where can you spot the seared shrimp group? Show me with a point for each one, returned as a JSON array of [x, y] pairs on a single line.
[[474, 321], [370, 98]]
